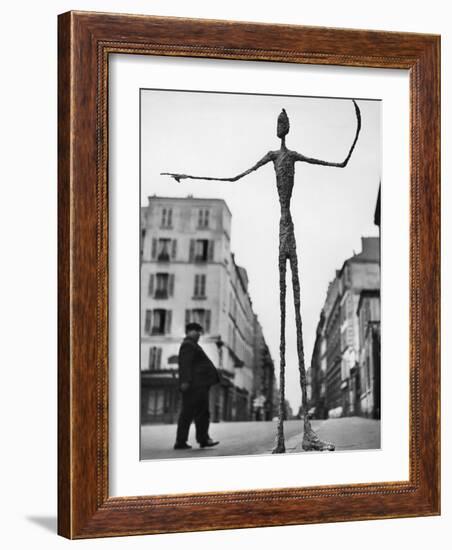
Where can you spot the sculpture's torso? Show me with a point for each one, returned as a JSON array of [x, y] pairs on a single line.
[[284, 164]]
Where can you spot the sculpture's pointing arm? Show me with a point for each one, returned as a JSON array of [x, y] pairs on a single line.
[[267, 158], [343, 164]]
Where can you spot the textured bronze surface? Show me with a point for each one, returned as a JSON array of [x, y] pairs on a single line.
[[85, 508], [284, 163]]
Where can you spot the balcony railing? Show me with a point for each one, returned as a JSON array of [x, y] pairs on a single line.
[[161, 294], [163, 257]]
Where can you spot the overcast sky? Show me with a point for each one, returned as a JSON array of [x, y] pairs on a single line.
[[221, 135]]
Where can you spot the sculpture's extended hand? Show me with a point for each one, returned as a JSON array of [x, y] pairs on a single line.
[[343, 164], [176, 177], [267, 158]]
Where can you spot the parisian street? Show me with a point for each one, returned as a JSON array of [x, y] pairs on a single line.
[[251, 438]]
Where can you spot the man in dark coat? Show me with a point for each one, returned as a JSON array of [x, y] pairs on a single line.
[[196, 374]]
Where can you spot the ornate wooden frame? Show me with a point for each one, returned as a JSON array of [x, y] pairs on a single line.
[[84, 44]]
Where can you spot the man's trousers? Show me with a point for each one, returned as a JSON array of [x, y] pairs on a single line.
[[195, 407]]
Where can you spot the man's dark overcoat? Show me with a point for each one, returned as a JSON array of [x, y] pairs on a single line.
[[195, 367]]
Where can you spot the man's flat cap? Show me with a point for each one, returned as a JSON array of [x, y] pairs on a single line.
[[193, 326]]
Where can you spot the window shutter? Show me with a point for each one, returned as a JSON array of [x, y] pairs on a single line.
[[148, 321], [151, 285], [156, 320], [158, 359], [168, 321], [210, 250], [206, 219], [202, 291], [187, 316], [170, 217], [207, 321], [171, 284], [173, 248], [192, 250], [143, 238], [154, 248], [196, 288]]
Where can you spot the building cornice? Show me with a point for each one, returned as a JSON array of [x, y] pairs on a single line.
[[194, 200]]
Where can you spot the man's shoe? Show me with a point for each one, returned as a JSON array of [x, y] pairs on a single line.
[[208, 443], [179, 446]]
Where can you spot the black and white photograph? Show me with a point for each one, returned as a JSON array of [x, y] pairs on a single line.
[[259, 274]]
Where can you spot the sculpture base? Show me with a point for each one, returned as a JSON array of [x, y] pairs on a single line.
[[312, 442]]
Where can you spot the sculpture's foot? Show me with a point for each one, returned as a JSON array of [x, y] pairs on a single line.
[[279, 449], [312, 442]]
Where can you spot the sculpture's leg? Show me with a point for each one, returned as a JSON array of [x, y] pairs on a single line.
[[311, 441], [280, 446]]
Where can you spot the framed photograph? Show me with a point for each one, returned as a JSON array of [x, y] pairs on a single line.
[[249, 259]]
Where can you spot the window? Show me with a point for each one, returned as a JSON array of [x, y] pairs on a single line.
[[163, 254], [159, 404], [164, 249], [167, 217], [161, 285], [203, 218], [148, 322], [201, 250], [173, 249], [155, 358], [201, 247], [201, 316], [200, 286], [158, 321], [156, 402], [143, 236]]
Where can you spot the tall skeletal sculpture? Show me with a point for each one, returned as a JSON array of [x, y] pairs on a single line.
[[284, 163]]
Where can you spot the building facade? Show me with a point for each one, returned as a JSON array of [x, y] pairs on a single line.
[[316, 374], [332, 336], [188, 273], [369, 361], [264, 403], [338, 387]]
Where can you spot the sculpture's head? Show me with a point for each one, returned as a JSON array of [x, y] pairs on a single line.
[[283, 126]]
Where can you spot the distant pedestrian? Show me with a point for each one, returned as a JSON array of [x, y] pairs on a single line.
[[197, 374]]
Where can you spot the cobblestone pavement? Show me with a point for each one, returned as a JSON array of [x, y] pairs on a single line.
[[251, 438]]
